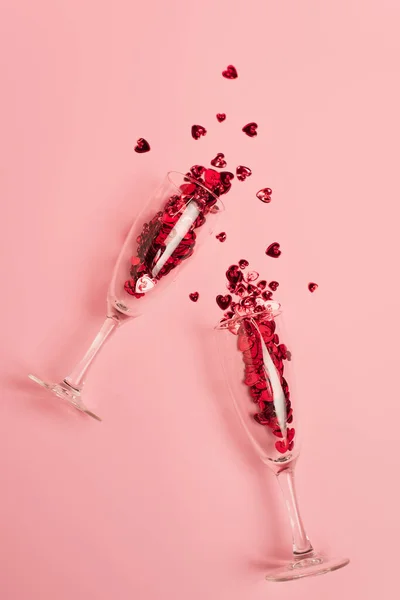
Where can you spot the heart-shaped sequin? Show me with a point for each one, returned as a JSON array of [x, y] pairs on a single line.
[[273, 285], [142, 146], [262, 284], [281, 446], [230, 72], [312, 286], [219, 161], [224, 301], [197, 171], [273, 250], [221, 117], [242, 172], [267, 295], [243, 263], [198, 131], [144, 284], [250, 129], [212, 178], [251, 276], [264, 195], [221, 236], [194, 296]]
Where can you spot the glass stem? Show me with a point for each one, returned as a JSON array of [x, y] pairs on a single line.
[[301, 543], [76, 378]]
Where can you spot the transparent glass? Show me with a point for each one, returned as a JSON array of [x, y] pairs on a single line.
[[256, 362], [178, 216]]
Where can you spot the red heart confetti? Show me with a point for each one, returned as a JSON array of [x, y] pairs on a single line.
[[198, 131], [230, 72], [250, 129], [243, 263], [273, 285], [221, 236], [142, 146], [242, 172], [224, 301], [197, 171], [267, 295], [221, 117], [194, 296], [273, 250], [262, 284], [264, 195], [219, 161], [211, 178], [251, 276], [312, 286]]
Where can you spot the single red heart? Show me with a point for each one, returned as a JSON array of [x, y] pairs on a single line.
[[250, 129], [221, 117], [264, 195], [267, 295], [273, 250], [242, 172], [142, 146], [230, 72], [198, 131], [226, 177], [194, 296], [281, 446], [224, 301], [221, 236], [273, 285], [251, 276], [290, 434], [197, 171], [243, 263], [219, 161], [212, 178], [312, 287], [240, 290], [262, 284]]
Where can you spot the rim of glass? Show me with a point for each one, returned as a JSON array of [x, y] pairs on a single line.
[[261, 313], [219, 203]]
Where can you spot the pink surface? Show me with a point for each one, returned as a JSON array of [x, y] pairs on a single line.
[[166, 498]]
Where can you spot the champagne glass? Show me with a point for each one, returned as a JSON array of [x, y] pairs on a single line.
[[179, 214], [255, 361]]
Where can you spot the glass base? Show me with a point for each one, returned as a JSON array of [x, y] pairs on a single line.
[[314, 564], [66, 392]]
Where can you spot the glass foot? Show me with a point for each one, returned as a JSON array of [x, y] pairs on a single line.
[[314, 564], [66, 392]]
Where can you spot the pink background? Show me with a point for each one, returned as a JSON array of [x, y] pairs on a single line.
[[165, 498]]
